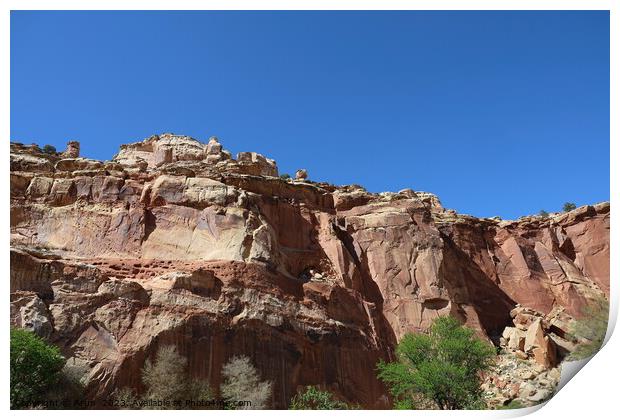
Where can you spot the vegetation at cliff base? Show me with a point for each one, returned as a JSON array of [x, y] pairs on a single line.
[[592, 327], [440, 369], [35, 368], [243, 383], [313, 398], [166, 379], [169, 386]]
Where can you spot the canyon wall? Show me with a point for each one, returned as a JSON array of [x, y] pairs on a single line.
[[175, 242]]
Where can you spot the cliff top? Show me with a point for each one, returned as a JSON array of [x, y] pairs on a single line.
[[180, 155]]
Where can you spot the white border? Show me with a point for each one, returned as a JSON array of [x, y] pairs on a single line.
[[593, 395]]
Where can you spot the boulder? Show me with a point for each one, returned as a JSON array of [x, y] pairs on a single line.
[[73, 150], [545, 353], [301, 174], [535, 336], [214, 147], [29, 312]]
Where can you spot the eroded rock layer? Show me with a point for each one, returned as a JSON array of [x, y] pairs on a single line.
[[175, 242]]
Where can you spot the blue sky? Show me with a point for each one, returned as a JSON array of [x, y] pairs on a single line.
[[498, 113]]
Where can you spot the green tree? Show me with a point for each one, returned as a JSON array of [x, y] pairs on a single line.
[[569, 206], [243, 383], [49, 149], [543, 213], [313, 398], [35, 368], [592, 327], [442, 367]]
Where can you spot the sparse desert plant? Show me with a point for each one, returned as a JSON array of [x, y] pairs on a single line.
[[35, 368], [569, 206], [166, 378], [49, 149], [442, 367], [543, 213], [313, 398], [285, 176], [243, 383], [126, 399], [592, 327]]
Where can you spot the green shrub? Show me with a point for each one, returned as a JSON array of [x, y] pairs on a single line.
[[569, 206], [49, 149], [512, 405], [543, 213], [285, 176], [441, 369], [315, 399], [35, 368]]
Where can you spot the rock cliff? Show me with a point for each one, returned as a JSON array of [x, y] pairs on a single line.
[[175, 242]]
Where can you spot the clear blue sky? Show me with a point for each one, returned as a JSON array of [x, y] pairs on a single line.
[[499, 113]]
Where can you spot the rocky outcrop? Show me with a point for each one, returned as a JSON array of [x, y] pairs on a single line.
[[527, 369], [529, 339], [175, 242], [301, 174], [73, 150]]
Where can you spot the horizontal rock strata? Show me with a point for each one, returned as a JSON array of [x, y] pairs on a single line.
[[175, 242]]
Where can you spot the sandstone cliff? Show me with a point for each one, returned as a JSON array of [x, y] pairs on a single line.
[[175, 242]]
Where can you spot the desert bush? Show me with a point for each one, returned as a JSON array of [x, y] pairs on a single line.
[[35, 368], [285, 176], [569, 206], [49, 149], [166, 379], [313, 398], [243, 383], [543, 213], [126, 399], [441, 368]]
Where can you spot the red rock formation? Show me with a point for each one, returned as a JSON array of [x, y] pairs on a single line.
[[175, 242]]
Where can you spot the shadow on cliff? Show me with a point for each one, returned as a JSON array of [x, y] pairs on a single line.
[[342, 362], [460, 273]]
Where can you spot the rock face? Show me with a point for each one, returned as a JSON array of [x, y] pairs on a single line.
[[175, 242]]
